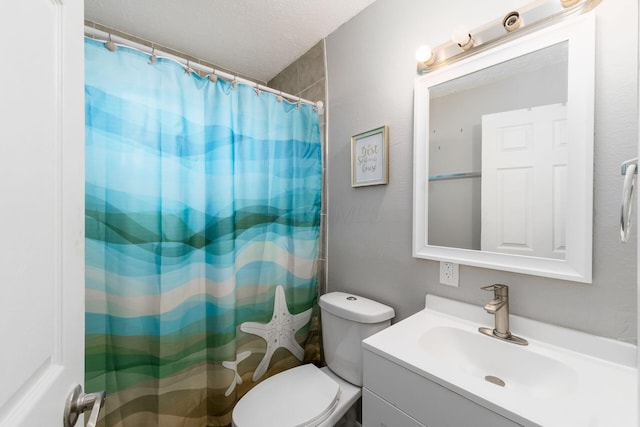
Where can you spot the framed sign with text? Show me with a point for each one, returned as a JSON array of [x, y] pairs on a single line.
[[370, 157]]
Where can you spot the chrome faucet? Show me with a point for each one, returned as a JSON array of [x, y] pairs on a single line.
[[499, 307]]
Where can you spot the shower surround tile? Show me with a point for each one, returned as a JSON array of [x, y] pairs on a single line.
[[311, 66]]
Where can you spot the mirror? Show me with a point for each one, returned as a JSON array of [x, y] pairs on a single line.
[[514, 122], [503, 153]]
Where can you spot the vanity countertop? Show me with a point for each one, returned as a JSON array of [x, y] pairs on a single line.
[[562, 378]]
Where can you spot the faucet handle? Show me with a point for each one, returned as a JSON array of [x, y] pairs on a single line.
[[494, 287], [499, 291]]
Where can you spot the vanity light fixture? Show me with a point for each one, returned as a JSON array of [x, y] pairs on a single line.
[[537, 14], [462, 37]]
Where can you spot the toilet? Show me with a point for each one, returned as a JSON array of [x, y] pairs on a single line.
[[307, 396]]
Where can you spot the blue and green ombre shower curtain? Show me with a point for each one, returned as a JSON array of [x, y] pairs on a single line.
[[202, 225]]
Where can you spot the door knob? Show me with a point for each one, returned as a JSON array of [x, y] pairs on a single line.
[[78, 403]]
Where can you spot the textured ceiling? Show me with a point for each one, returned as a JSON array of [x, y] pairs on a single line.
[[256, 38]]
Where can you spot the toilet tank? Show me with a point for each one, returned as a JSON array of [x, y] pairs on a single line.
[[346, 320]]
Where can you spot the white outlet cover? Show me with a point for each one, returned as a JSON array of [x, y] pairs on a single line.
[[448, 273]]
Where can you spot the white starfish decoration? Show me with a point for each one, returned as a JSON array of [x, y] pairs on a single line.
[[279, 332], [234, 367]]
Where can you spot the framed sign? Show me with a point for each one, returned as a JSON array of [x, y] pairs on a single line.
[[370, 157]]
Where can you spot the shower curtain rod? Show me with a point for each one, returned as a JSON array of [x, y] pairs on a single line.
[[150, 49]]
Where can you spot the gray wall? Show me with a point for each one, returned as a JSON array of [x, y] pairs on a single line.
[[371, 71]]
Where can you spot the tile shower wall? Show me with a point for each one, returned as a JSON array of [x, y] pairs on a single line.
[[306, 78]]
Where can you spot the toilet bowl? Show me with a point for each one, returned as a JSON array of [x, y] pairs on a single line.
[[308, 396], [302, 396]]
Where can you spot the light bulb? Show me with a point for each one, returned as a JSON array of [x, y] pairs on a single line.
[[426, 57], [424, 53]]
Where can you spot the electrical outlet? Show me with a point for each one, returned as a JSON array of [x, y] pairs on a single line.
[[448, 273]]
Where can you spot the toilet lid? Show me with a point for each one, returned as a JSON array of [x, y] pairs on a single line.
[[301, 396]]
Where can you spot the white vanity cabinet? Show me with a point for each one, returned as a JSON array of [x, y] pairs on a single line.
[[379, 412], [394, 396]]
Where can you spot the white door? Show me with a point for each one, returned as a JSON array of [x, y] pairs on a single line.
[[637, 219], [41, 209], [524, 181]]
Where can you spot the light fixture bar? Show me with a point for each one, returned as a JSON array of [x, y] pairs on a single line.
[[513, 24]]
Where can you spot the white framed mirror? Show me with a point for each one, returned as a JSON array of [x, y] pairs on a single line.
[[503, 156]]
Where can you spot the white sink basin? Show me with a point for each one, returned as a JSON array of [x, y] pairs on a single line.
[[510, 366], [562, 378]]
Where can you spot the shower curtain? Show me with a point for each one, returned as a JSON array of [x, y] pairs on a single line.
[[202, 225]]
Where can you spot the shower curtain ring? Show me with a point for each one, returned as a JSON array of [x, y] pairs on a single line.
[[111, 46], [187, 69], [235, 83], [280, 98], [153, 58]]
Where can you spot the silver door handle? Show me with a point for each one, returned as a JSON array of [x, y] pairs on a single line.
[[79, 403]]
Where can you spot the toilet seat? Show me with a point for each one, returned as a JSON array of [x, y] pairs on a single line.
[[299, 397]]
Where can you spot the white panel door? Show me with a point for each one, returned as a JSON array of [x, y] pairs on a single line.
[[524, 181], [42, 209]]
